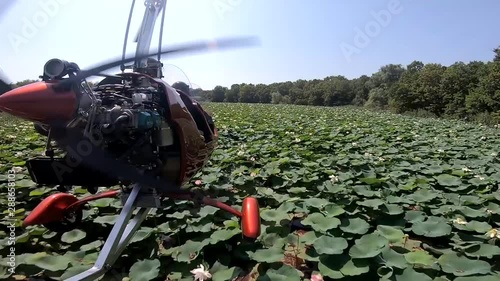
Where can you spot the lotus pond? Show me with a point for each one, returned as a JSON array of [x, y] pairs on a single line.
[[382, 197]]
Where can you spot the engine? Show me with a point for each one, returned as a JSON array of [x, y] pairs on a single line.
[[128, 121]]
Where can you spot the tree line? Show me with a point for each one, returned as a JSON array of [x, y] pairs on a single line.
[[469, 91]]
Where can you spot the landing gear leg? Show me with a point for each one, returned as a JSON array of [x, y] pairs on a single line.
[[118, 239]]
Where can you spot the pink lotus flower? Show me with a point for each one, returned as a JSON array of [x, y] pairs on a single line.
[[197, 182], [317, 277]]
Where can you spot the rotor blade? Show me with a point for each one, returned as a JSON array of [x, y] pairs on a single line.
[[5, 84], [136, 38], [185, 48], [4, 87], [5, 6]]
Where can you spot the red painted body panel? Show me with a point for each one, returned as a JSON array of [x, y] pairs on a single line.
[[50, 209], [195, 151], [250, 218], [53, 208], [38, 102]]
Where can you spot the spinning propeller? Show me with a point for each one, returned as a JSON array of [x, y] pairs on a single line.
[[38, 102], [5, 84]]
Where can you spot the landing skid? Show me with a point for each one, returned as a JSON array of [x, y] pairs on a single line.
[[56, 207]]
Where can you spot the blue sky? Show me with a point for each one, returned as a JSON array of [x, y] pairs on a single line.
[[299, 39]]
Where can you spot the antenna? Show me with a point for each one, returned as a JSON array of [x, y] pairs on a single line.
[[159, 73], [122, 67]]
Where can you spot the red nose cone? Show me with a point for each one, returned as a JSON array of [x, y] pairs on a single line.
[[38, 102]]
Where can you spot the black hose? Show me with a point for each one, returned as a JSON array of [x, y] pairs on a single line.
[[121, 120]]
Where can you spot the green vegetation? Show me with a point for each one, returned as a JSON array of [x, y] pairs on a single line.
[[461, 91], [388, 197]]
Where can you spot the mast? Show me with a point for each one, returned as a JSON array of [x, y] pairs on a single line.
[[144, 36]]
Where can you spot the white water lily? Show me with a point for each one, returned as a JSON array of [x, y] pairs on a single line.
[[334, 178], [200, 273], [465, 169], [17, 169], [460, 221], [493, 233], [479, 177]]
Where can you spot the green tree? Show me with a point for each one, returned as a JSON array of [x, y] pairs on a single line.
[[24, 83], [456, 84], [262, 94], [360, 90], [429, 88], [233, 94], [486, 96], [414, 67], [378, 98], [276, 98], [218, 94], [247, 94], [316, 96]]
